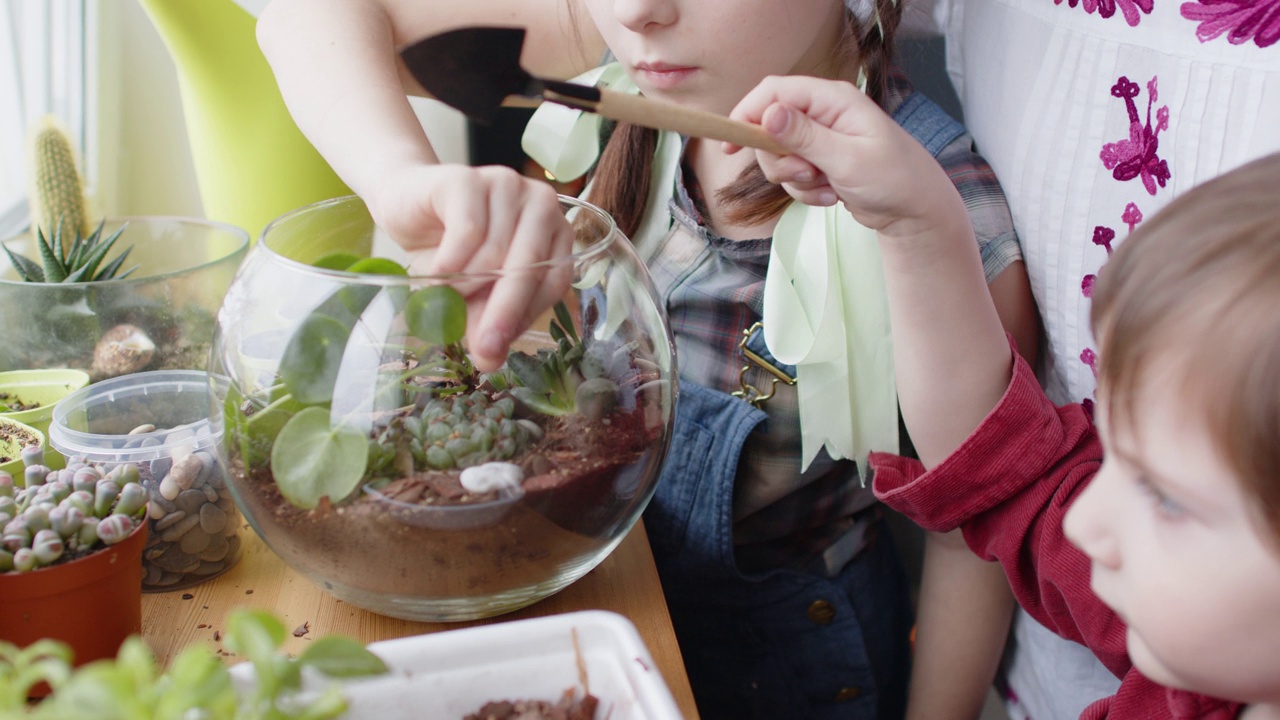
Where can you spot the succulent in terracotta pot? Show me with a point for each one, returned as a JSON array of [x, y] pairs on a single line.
[[71, 544]]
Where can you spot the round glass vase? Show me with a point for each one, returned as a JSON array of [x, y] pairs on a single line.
[[159, 317], [368, 452]]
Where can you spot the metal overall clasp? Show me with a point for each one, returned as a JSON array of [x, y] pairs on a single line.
[[747, 391]]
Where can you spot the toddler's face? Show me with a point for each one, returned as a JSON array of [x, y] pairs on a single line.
[[1180, 553], [710, 53]]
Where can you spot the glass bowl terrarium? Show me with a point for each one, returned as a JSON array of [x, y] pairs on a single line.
[[368, 452], [157, 317]]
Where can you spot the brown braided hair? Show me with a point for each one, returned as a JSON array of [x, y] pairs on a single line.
[[623, 174]]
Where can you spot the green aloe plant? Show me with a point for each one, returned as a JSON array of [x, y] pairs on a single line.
[[79, 260]]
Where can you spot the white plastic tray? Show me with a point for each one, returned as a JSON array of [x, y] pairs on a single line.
[[448, 675]]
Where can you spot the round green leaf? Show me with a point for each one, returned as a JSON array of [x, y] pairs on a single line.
[[309, 366], [437, 315], [336, 261], [378, 266], [311, 460]]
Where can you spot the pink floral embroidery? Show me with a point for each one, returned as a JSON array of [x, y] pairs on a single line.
[[1103, 235], [1132, 216], [1090, 358], [1241, 20], [1107, 8], [1136, 156]]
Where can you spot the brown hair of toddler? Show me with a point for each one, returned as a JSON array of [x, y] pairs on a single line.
[[1196, 289]]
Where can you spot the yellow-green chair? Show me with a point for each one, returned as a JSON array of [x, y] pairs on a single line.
[[252, 163]]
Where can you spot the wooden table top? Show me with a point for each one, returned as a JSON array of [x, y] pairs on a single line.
[[626, 582]]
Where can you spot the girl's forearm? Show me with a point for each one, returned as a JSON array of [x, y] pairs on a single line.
[[961, 625], [337, 69]]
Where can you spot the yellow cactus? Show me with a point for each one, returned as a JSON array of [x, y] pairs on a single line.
[[57, 193]]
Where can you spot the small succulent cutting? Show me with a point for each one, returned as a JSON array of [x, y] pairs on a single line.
[[61, 515]]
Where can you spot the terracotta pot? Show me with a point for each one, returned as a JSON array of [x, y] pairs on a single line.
[[92, 604]]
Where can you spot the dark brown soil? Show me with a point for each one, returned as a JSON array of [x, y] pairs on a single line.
[[11, 436], [568, 708], [13, 403], [423, 536]]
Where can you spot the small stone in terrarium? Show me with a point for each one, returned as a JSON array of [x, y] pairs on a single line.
[[122, 350]]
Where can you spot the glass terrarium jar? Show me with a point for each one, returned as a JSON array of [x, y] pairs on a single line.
[[158, 317], [369, 453]]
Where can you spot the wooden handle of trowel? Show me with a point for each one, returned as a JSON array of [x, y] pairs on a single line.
[[684, 120]]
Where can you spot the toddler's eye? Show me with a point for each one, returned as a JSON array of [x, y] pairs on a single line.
[[1165, 506]]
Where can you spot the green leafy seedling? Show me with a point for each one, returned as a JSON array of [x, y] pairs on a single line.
[[197, 683], [311, 460]]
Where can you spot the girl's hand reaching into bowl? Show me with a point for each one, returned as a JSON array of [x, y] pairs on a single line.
[[487, 221]]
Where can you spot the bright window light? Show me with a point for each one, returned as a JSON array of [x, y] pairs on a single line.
[[42, 71]]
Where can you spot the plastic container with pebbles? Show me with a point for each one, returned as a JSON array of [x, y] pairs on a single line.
[[160, 422]]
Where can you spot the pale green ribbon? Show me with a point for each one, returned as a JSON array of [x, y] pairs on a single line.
[[565, 141], [825, 306]]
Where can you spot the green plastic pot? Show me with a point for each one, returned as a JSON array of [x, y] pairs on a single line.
[[47, 387], [11, 446]]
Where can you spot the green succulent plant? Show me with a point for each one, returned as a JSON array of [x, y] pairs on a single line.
[[570, 378], [64, 514], [79, 260]]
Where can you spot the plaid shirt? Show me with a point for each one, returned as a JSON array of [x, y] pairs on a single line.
[[713, 289]]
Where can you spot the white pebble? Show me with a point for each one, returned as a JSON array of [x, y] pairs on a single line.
[[491, 476]]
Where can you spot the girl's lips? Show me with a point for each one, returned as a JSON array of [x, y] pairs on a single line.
[[664, 77]]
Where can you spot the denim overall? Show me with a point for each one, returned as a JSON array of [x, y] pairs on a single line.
[[781, 644]]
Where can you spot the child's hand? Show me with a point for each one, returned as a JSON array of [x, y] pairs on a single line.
[[845, 148], [477, 220]]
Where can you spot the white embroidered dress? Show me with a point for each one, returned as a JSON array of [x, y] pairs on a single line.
[[1094, 115]]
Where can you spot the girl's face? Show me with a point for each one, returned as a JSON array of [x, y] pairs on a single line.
[[1182, 554], [709, 53]]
